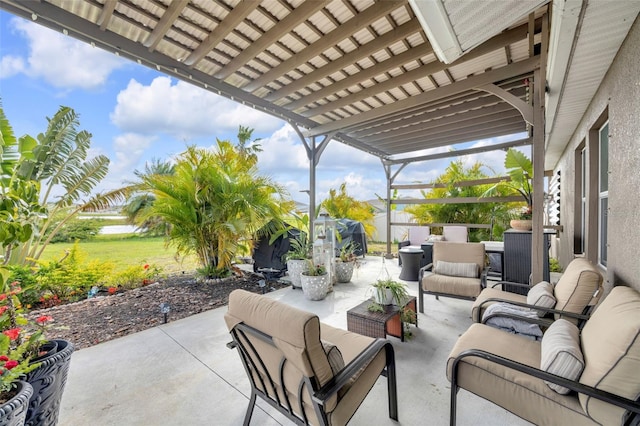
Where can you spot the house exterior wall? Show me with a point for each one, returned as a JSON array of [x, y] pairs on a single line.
[[618, 99]]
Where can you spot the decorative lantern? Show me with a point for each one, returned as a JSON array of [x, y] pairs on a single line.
[[324, 246]]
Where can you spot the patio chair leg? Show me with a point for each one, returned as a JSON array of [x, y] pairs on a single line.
[[391, 384], [420, 300], [454, 397], [252, 404]]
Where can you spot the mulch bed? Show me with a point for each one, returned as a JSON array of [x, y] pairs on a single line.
[[99, 319]]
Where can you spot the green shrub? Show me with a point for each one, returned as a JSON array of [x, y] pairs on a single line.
[[554, 265], [136, 276], [26, 276], [71, 277], [77, 229]]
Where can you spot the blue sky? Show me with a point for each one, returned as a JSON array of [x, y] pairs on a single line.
[[136, 114]]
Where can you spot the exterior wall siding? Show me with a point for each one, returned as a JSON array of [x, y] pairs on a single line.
[[618, 97]]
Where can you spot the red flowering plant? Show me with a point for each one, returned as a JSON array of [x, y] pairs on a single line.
[[19, 341]]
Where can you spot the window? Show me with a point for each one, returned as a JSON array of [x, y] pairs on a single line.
[[603, 192], [581, 199]]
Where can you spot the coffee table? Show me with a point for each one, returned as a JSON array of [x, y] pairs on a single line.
[[379, 324]]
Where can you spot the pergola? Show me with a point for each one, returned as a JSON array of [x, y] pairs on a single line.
[[390, 78]]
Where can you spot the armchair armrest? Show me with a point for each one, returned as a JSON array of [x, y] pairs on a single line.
[[483, 276], [351, 369], [422, 270], [611, 398], [503, 283], [404, 243]]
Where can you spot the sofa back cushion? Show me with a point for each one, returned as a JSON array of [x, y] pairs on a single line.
[[459, 253], [611, 349], [575, 289]]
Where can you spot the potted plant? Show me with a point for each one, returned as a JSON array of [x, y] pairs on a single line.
[[388, 291], [520, 171], [346, 262], [25, 351], [298, 258], [315, 282]]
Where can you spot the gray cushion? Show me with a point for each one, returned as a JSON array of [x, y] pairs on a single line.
[[452, 269], [561, 354], [541, 294]]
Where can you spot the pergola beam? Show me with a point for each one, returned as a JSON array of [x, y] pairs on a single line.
[[230, 22], [478, 150], [370, 15], [459, 200], [508, 71], [164, 25], [289, 22], [372, 47]]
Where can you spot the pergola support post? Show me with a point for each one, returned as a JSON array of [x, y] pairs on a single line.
[[314, 152], [390, 178]]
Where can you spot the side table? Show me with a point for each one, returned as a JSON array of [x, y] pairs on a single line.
[[379, 324], [411, 259]]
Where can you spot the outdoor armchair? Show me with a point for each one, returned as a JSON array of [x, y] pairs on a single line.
[[570, 377], [578, 290], [458, 270], [312, 373]]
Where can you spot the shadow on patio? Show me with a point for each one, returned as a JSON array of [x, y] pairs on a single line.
[[182, 372]]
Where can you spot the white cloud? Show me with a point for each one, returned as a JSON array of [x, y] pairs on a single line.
[[183, 111], [10, 66], [129, 148], [62, 61]]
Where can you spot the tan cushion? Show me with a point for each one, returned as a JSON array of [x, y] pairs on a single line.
[[541, 294], [459, 252], [479, 306], [523, 395], [459, 286], [611, 349], [334, 356], [295, 333], [561, 354], [576, 287], [456, 269]]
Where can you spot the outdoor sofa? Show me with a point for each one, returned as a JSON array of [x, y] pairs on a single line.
[[570, 377]]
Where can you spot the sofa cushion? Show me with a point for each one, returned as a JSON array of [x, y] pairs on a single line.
[[541, 294], [611, 349], [456, 269], [561, 354]]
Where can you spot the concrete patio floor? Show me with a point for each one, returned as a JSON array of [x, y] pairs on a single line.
[[181, 373]]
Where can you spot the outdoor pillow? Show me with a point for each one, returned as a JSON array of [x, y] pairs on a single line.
[[469, 270], [334, 356], [561, 354], [541, 294]]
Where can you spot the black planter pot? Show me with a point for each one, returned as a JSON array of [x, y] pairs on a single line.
[[14, 411], [48, 382]]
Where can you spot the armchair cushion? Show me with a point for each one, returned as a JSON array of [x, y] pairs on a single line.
[[561, 354], [541, 294], [577, 285], [611, 347], [456, 269], [460, 286]]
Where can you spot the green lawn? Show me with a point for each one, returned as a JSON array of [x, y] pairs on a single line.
[[126, 250]]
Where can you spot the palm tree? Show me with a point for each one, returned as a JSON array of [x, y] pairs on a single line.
[[215, 202], [339, 204], [140, 201], [463, 212], [57, 161]]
